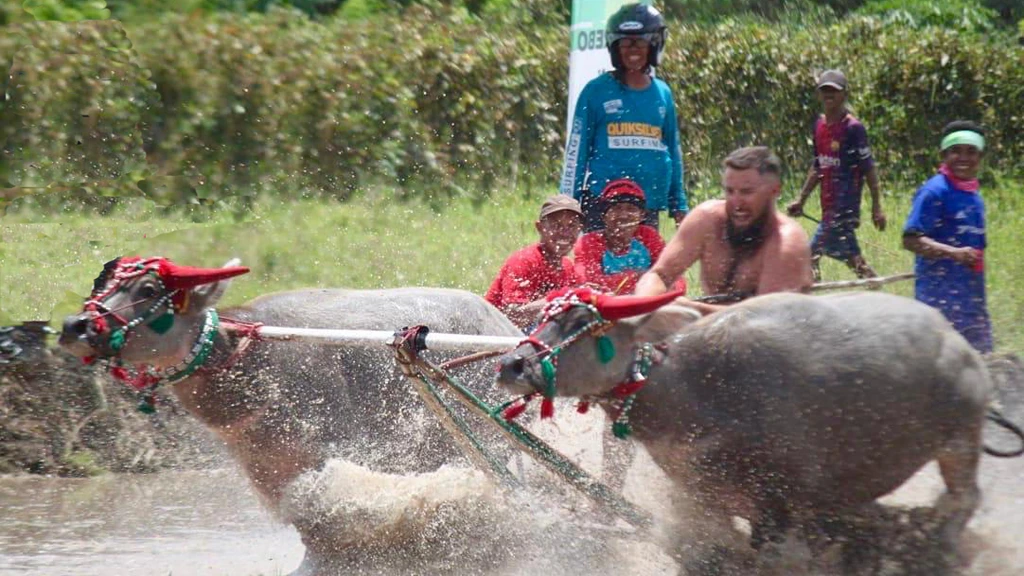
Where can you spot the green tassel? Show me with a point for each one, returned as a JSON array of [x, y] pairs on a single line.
[[117, 339], [621, 430], [162, 324], [547, 369], [147, 405], [605, 349]]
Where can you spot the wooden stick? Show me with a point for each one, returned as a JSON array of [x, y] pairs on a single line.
[[869, 283]]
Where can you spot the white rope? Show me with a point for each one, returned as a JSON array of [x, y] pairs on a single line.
[[376, 338]]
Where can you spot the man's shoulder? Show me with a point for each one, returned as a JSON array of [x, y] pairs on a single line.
[[648, 235], [662, 86], [936, 186], [602, 83], [791, 234], [714, 208], [524, 257], [590, 241]]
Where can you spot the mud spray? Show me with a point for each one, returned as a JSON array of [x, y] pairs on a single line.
[[457, 521]]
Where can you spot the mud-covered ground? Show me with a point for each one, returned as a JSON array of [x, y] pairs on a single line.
[[61, 417]]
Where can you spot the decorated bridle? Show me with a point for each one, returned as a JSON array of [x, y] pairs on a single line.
[[605, 310], [171, 297]]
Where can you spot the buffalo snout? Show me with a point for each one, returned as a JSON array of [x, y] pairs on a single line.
[[512, 373], [75, 334], [74, 326]]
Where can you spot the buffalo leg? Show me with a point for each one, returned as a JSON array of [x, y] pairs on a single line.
[[958, 463]]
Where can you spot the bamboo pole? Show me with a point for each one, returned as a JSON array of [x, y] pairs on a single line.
[[370, 338], [869, 283]]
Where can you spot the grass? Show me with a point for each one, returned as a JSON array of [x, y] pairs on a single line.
[[48, 262]]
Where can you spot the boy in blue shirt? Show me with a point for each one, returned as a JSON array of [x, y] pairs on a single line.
[[946, 230]]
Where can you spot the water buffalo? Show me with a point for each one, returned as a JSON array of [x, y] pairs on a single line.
[[782, 409], [283, 408]]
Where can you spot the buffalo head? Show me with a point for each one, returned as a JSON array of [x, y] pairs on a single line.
[[145, 310], [583, 344]]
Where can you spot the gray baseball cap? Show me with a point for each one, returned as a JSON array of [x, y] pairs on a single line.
[[558, 203], [833, 79]]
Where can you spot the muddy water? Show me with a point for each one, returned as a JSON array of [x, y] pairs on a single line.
[[209, 522], [169, 523]]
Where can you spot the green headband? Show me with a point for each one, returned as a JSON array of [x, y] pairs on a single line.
[[968, 137]]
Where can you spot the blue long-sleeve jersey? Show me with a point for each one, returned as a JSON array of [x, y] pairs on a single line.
[[621, 132]]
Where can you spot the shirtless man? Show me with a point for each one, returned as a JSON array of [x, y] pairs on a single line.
[[745, 246]]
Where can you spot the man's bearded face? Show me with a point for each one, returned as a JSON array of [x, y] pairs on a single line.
[[749, 198]]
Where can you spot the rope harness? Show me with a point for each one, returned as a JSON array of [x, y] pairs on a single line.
[[625, 392], [144, 378]]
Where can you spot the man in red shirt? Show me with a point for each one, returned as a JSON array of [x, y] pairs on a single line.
[[529, 274]]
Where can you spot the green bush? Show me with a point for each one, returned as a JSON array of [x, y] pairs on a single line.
[[199, 108], [952, 14]]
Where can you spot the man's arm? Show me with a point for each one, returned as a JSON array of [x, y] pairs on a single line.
[[522, 315], [677, 205], [934, 250], [796, 207], [877, 214], [867, 163], [789, 268], [682, 251], [924, 218]]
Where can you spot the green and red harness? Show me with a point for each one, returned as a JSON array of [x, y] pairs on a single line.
[[624, 392]]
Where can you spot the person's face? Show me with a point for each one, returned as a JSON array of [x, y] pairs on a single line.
[[633, 52], [748, 196], [621, 220], [558, 231], [964, 160], [831, 98]]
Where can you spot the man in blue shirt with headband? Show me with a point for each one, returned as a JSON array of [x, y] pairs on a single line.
[[946, 230]]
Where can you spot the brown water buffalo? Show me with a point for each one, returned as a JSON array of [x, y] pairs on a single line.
[[783, 409], [283, 408]]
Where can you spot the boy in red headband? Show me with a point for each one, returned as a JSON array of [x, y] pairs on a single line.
[[613, 259]]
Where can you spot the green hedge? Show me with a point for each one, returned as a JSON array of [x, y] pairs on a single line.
[[433, 101]]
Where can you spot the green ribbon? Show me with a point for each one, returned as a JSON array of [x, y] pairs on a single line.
[[547, 369], [605, 349], [117, 339], [163, 323]]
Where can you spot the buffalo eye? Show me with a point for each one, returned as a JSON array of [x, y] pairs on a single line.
[[147, 291]]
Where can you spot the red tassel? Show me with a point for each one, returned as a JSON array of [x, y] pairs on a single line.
[[583, 407], [627, 388], [514, 410], [87, 360], [547, 408], [100, 325], [119, 373]]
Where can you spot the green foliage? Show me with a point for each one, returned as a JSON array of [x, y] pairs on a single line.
[[375, 242], [200, 109], [709, 11], [67, 10], [1009, 10], [968, 15]]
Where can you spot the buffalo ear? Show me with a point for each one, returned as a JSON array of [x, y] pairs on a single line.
[[662, 323], [207, 295]]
